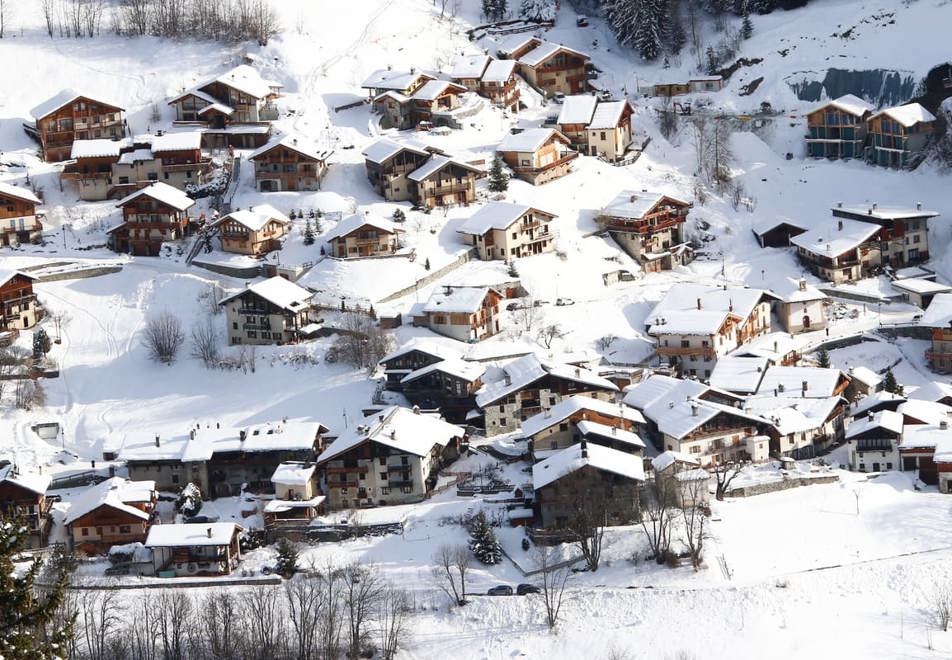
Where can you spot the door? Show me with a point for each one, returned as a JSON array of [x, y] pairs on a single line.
[[875, 467], [806, 322]]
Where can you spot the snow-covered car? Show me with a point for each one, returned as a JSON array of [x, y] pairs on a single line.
[[581, 21], [500, 590], [558, 97], [564, 302]]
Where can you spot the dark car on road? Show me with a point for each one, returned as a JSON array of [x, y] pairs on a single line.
[[524, 589], [500, 590]]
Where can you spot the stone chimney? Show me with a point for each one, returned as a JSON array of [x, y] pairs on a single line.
[[584, 447], [694, 410], [839, 225], [209, 532], [699, 303], [157, 442], [416, 410], [918, 206]]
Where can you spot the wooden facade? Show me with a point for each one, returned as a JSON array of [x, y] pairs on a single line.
[[585, 491], [19, 309], [835, 132], [564, 71], [552, 160], [390, 177], [284, 167], [240, 238], [19, 220], [30, 506], [650, 237], [366, 241], [77, 117], [452, 184], [147, 223]]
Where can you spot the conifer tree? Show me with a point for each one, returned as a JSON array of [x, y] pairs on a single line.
[[399, 216], [537, 10], [26, 611], [890, 384], [746, 26], [649, 29], [483, 541], [498, 179], [823, 359], [287, 558], [308, 233]]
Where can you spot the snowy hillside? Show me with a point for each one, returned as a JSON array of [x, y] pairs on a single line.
[[839, 570]]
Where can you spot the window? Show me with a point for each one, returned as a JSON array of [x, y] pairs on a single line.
[[502, 421], [383, 476], [234, 325], [385, 490], [406, 490], [404, 460], [602, 136], [175, 478], [85, 531], [382, 460], [563, 426], [889, 466], [362, 476], [685, 343], [125, 529]]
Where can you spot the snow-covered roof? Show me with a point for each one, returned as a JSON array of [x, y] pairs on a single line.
[[469, 66], [926, 412], [301, 145], [61, 98], [201, 443], [608, 114], [916, 285], [634, 204], [667, 458], [197, 93], [96, 148], [399, 428], [773, 345], [515, 42], [928, 436], [696, 474], [499, 71], [440, 348], [884, 419], [495, 215], [135, 156], [385, 148], [865, 375], [795, 289], [587, 428], [696, 322], [247, 80], [431, 89], [907, 115], [462, 369], [116, 493], [190, 535], [571, 459], [293, 473], [391, 79], [184, 141], [222, 108], [874, 400], [683, 297], [939, 313], [793, 414], [530, 140], [255, 218], [280, 506], [460, 300], [544, 51], [526, 370], [37, 483], [161, 192], [577, 109], [885, 212], [931, 391], [579, 404], [437, 163], [831, 241], [767, 223], [7, 275], [279, 292], [358, 221], [854, 105], [790, 381], [739, 374], [18, 192]]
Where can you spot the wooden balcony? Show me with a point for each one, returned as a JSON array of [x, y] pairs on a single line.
[[691, 351], [450, 190], [568, 157], [347, 470]]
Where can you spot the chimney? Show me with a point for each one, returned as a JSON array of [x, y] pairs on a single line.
[[804, 386], [191, 434], [875, 206], [839, 205], [92, 464], [507, 379], [217, 425], [780, 387], [393, 434], [380, 417], [157, 443], [869, 416], [694, 410], [584, 447], [242, 434], [803, 284], [730, 305], [918, 206], [447, 289], [112, 470], [389, 67], [209, 532], [839, 225], [294, 141], [614, 430], [944, 424], [699, 303], [416, 410], [578, 372], [776, 347]]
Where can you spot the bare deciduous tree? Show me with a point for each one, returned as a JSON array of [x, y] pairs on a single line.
[[451, 564], [174, 616], [205, 343], [657, 514], [363, 594], [163, 337], [362, 342], [555, 575], [101, 619], [695, 518], [304, 600], [724, 474], [392, 624], [527, 316], [550, 333], [941, 607]]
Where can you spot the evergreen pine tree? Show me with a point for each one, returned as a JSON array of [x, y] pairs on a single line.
[[676, 37], [41, 343], [762, 6], [890, 384], [23, 610], [649, 29], [623, 17], [189, 501], [712, 62], [489, 7], [483, 541], [399, 216], [537, 10], [746, 27], [426, 266], [498, 179], [823, 359], [308, 233], [287, 558]]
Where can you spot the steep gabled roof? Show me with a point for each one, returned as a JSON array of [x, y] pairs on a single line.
[[528, 369], [575, 404], [633, 204], [499, 71], [437, 163], [357, 221], [848, 103], [116, 493], [279, 292], [399, 428], [384, 149], [300, 145], [608, 114], [496, 215], [255, 218], [546, 50], [577, 109], [907, 115], [469, 66], [161, 192], [574, 458], [18, 192], [34, 482], [530, 140], [64, 97]]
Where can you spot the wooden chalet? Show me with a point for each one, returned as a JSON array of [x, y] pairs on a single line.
[[187, 550], [414, 356], [597, 128], [363, 236], [837, 129], [537, 155], [114, 512], [255, 231], [500, 85], [905, 230], [297, 496], [502, 230], [389, 164], [554, 68], [391, 457], [649, 227], [444, 181], [69, 116], [23, 496], [151, 216], [467, 314], [390, 80], [289, 163], [272, 311], [19, 219], [777, 232], [898, 136], [234, 109], [468, 70], [579, 418], [938, 318], [448, 386], [19, 309], [425, 104]]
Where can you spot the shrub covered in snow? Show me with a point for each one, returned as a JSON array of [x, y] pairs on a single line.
[[189, 501], [483, 541]]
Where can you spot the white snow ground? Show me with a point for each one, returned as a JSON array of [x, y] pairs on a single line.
[[765, 599]]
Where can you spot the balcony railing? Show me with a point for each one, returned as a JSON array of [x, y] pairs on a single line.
[[569, 156], [687, 351], [449, 190], [345, 470]]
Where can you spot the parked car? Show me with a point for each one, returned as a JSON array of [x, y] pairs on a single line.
[[202, 519], [558, 97], [562, 302], [581, 21], [500, 590], [525, 589]]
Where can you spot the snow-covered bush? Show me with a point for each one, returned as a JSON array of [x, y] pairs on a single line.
[[483, 541], [189, 501], [538, 10]]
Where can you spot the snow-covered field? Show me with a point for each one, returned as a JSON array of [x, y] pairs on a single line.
[[830, 571]]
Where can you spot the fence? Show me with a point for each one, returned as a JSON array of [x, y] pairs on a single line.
[[432, 277]]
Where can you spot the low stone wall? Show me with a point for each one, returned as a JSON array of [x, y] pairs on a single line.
[[242, 272], [432, 277], [78, 274], [783, 484]]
